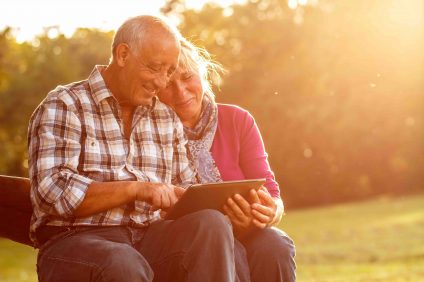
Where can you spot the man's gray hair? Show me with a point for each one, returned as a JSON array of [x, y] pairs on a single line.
[[133, 31]]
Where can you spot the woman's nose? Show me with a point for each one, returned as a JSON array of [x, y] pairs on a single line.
[[179, 89]]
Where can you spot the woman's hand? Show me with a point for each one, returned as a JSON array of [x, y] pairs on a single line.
[[269, 212], [239, 211], [262, 211]]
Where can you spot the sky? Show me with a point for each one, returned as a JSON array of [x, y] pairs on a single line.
[[28, 17]]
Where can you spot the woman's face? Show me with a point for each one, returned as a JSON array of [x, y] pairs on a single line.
[[184, 95]]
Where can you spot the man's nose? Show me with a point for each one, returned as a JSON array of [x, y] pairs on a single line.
[[161, 80]]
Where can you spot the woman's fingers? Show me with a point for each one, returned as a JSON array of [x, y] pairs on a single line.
[[236, 209], [263, 215], [259, 224], [242, 204], [266, 198], [233, 218], [254, 197]]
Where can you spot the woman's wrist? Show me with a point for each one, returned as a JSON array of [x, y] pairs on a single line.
[[279, 211]]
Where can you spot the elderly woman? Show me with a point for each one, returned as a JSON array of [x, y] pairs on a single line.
[[225, 144]]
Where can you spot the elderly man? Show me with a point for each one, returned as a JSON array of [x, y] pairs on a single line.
[[103, 153]]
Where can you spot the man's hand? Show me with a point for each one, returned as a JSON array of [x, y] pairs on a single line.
[[159, 195]]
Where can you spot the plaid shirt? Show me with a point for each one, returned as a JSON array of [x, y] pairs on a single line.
[[76, 137]]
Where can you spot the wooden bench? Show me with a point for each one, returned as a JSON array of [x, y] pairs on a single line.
[[15, 208]]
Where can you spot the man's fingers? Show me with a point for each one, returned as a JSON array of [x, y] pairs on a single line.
[[179, 191], [164, 196], [156, 201], [163, 214], [165, 199], [173, 197]]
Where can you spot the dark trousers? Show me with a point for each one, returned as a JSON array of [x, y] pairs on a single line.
[[270, 254], [196, 247]]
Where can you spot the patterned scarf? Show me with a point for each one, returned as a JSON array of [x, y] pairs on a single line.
[[200, 139]]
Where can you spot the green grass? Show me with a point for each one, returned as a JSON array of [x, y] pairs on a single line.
[[377, 240], [17, 262]]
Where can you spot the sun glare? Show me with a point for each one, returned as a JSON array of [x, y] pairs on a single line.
[[293, 4], [29, 18]]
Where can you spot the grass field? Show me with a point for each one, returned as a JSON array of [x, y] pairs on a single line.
[[377, 240]]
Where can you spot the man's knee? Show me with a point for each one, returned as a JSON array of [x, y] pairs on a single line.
[[122, 262], [105, 261]]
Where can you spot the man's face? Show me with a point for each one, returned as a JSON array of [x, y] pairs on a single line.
[[146, 73]]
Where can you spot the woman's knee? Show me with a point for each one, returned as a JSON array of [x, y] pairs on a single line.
[[271, 242], [209, 220]]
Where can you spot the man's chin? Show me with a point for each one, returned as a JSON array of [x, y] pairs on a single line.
[[145, 101]]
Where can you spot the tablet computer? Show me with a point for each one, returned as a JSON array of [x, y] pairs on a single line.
[[211, 196]]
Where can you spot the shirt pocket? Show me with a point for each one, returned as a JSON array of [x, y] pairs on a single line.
[[92, 155]]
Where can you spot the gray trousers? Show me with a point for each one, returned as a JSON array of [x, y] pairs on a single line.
[[196, 247]]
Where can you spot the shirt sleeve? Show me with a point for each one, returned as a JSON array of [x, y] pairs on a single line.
[[183, 173], [54, 148], [253, 158]]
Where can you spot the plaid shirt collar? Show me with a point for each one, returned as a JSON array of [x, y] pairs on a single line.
[[100, 91]]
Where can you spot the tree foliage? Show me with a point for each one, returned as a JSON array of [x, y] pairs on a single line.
[[28, 71], [336, 88]]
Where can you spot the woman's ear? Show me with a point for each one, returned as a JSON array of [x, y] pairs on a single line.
[[122, 52]]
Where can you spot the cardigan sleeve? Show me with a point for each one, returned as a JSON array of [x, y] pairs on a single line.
[[253, 158]]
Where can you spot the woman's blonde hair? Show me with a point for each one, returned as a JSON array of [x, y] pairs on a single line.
[[196, 59]]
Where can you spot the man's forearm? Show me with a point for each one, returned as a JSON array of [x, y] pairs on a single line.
[[102, 196]]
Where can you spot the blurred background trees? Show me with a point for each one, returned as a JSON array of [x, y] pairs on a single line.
[[336, 87]]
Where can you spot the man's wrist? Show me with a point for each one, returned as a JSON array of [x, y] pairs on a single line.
[[133, 190], [139, 190]]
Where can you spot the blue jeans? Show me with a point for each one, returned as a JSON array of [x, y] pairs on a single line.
[[196, 247], [270, 253]]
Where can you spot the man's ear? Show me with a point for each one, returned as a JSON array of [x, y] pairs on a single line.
[[122, 53]]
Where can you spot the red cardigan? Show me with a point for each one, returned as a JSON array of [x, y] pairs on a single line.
[[238, 149]]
